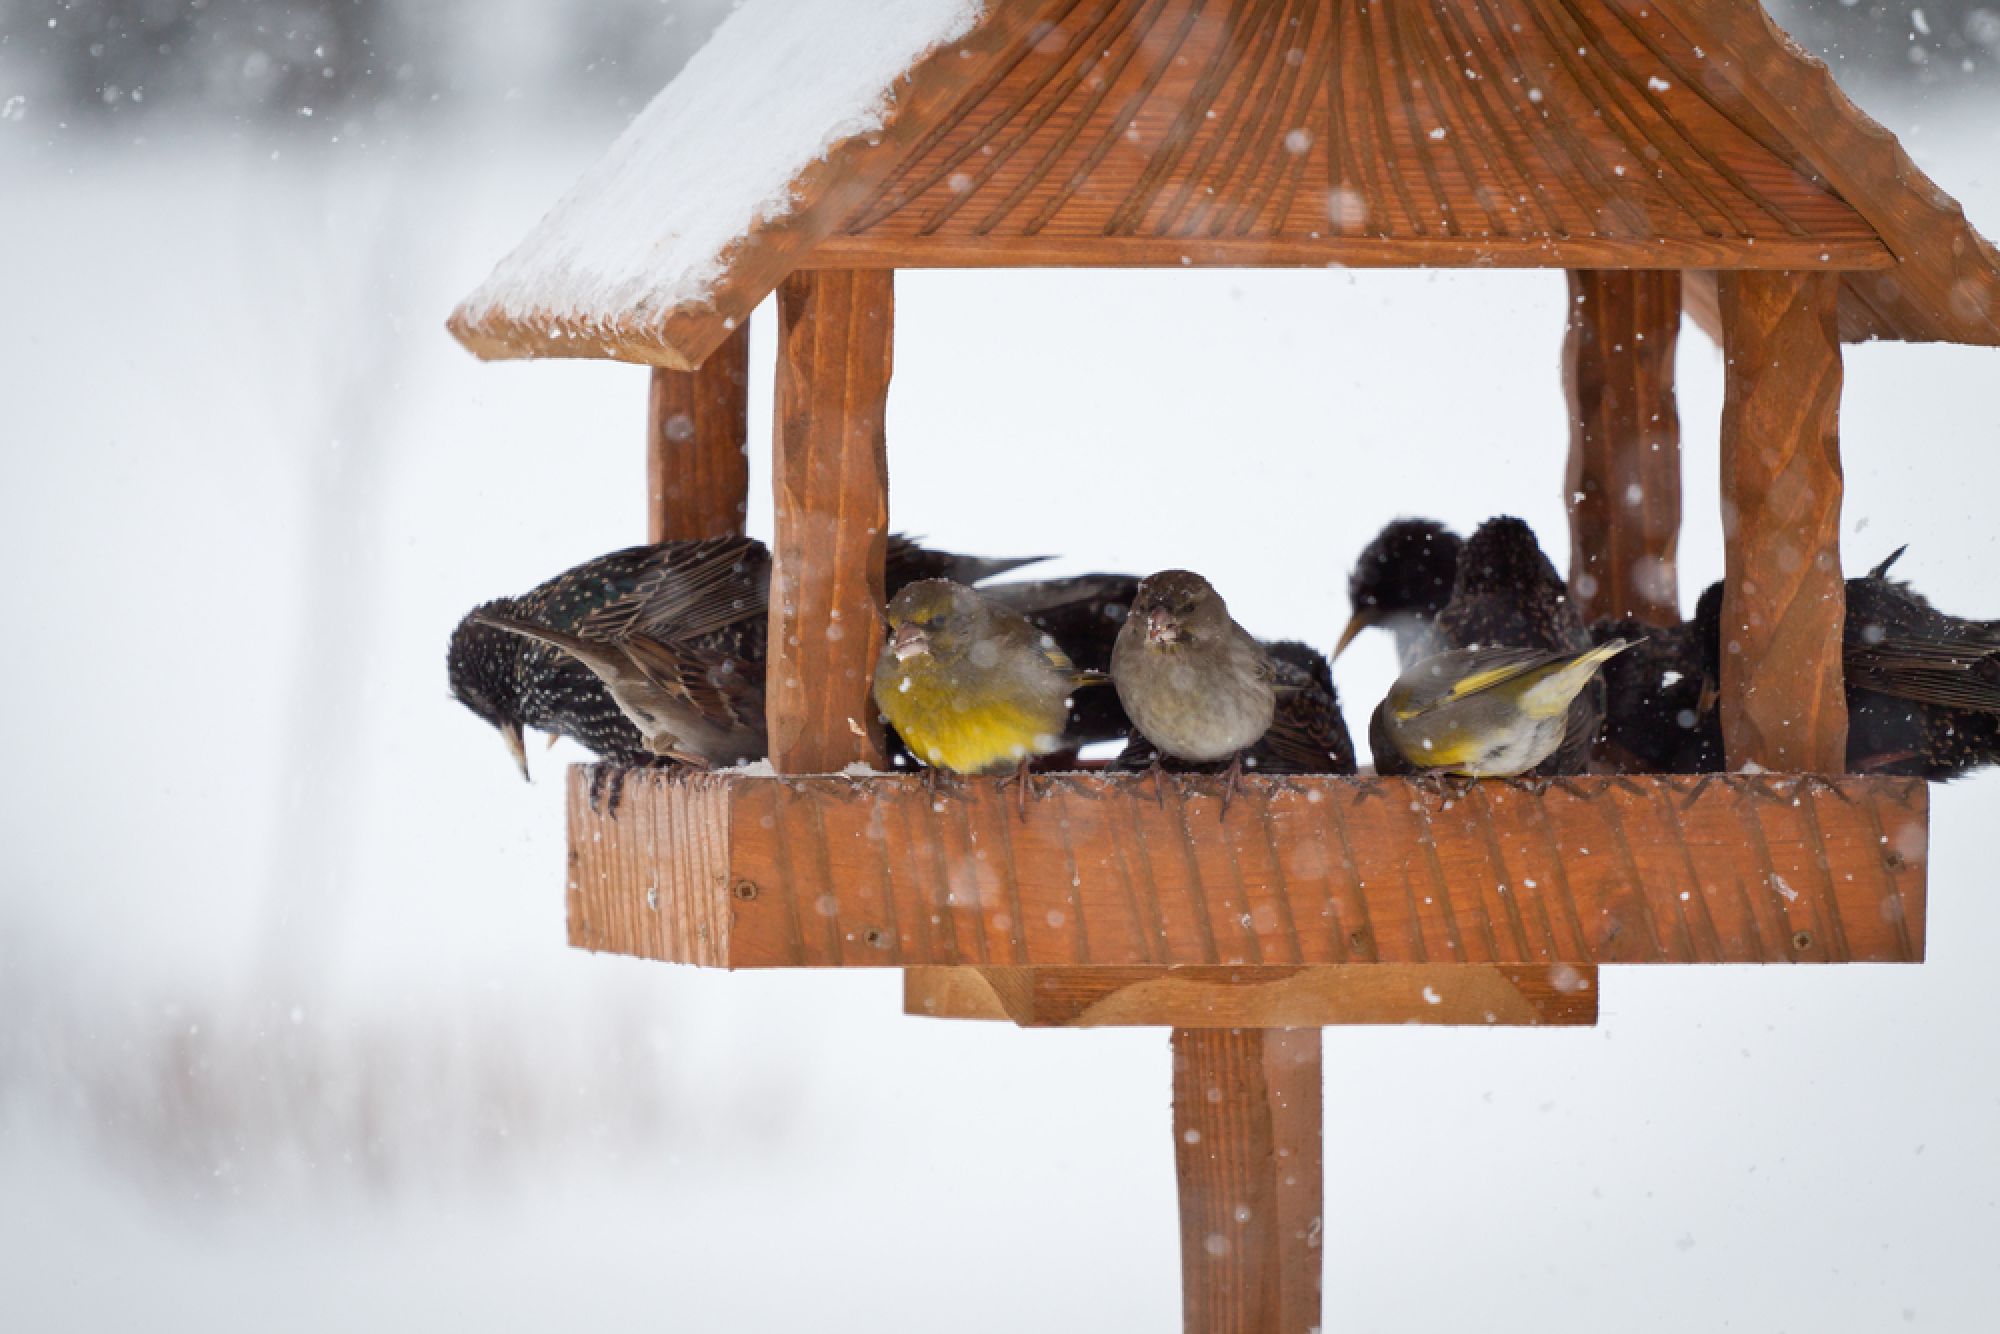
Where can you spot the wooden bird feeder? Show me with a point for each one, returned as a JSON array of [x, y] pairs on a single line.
[[1670, 155]]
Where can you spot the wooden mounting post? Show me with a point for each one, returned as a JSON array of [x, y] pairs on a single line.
[[830, 477], [1623, 485], [1783, 599], [1247, 1144], [697, 425]]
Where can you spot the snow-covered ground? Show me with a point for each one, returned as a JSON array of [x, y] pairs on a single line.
[[291, 1037]]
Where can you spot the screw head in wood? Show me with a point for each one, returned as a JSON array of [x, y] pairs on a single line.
[[743, 890]]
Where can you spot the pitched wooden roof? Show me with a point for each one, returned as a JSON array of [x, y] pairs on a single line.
[[1554, 133]]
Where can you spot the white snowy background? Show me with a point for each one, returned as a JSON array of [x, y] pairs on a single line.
[[289, 1035]]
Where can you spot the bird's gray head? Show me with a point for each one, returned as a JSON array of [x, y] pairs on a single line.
[[1179, 607], [481, 662]]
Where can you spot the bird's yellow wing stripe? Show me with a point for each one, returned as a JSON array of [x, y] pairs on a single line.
[[1492, 676]]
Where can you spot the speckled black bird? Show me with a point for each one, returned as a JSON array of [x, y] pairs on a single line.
[[1307, 733], [1401, 581], [695, 611], [1659, 716], [1922, 687], [1506, 594]]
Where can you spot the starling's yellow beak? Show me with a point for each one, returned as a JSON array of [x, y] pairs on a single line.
[[1356, 623], [510, 732], [909, 641]]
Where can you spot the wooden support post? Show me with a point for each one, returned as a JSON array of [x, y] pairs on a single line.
[[1783, 600], [830, 476], [697, 426], [1247, 1145], [1623, 485]]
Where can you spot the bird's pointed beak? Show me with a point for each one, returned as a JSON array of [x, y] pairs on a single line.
[[909, 641], [1161, 627], [1356, 623], [510, 732]]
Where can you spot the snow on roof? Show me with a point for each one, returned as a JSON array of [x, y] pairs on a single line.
[[777, 86]]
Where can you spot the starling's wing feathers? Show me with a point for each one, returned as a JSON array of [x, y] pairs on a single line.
[[907, 562], [597, 657], [707, 681], [692, 590], [1307, 734], [1041, 597]]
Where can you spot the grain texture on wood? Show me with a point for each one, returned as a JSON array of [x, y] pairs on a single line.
[[862, 872], [830, 475], [1247, 1143], [1267, 996], [697, 432], [1783, 601], [660, 888], [1623, 485], [1351, 252], [1555, 133]]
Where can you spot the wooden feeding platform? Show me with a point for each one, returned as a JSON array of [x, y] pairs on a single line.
[[1669, 155]]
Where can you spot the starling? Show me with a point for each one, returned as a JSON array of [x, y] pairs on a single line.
[[970, 686], [1490, 712], [1659, 714], [1401, 581], [630, 601], [1922, 686], [1307, 734], [1506, 594], [1197, 685]]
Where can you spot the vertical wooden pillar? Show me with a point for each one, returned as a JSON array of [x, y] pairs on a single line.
[[1783, 600], [697, 427], [1623, 485], [1247, 1145], [830, 475]]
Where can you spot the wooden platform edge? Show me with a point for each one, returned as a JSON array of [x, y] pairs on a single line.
[[1463, 995], [750, 871]]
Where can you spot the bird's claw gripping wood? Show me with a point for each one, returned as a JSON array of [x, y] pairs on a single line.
[[1025, 783], [607, 788], [1232, 781]]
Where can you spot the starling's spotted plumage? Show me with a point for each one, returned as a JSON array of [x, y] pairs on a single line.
[[1307, 734], [1922, 687], [1401, 581], [1658, 714], [1506, 594], [515, 683]]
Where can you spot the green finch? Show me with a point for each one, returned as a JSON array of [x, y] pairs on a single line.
[[969, 685], [1482, 712]]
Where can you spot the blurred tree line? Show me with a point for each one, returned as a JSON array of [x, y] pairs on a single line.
[[286, 61], [289, 61]]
